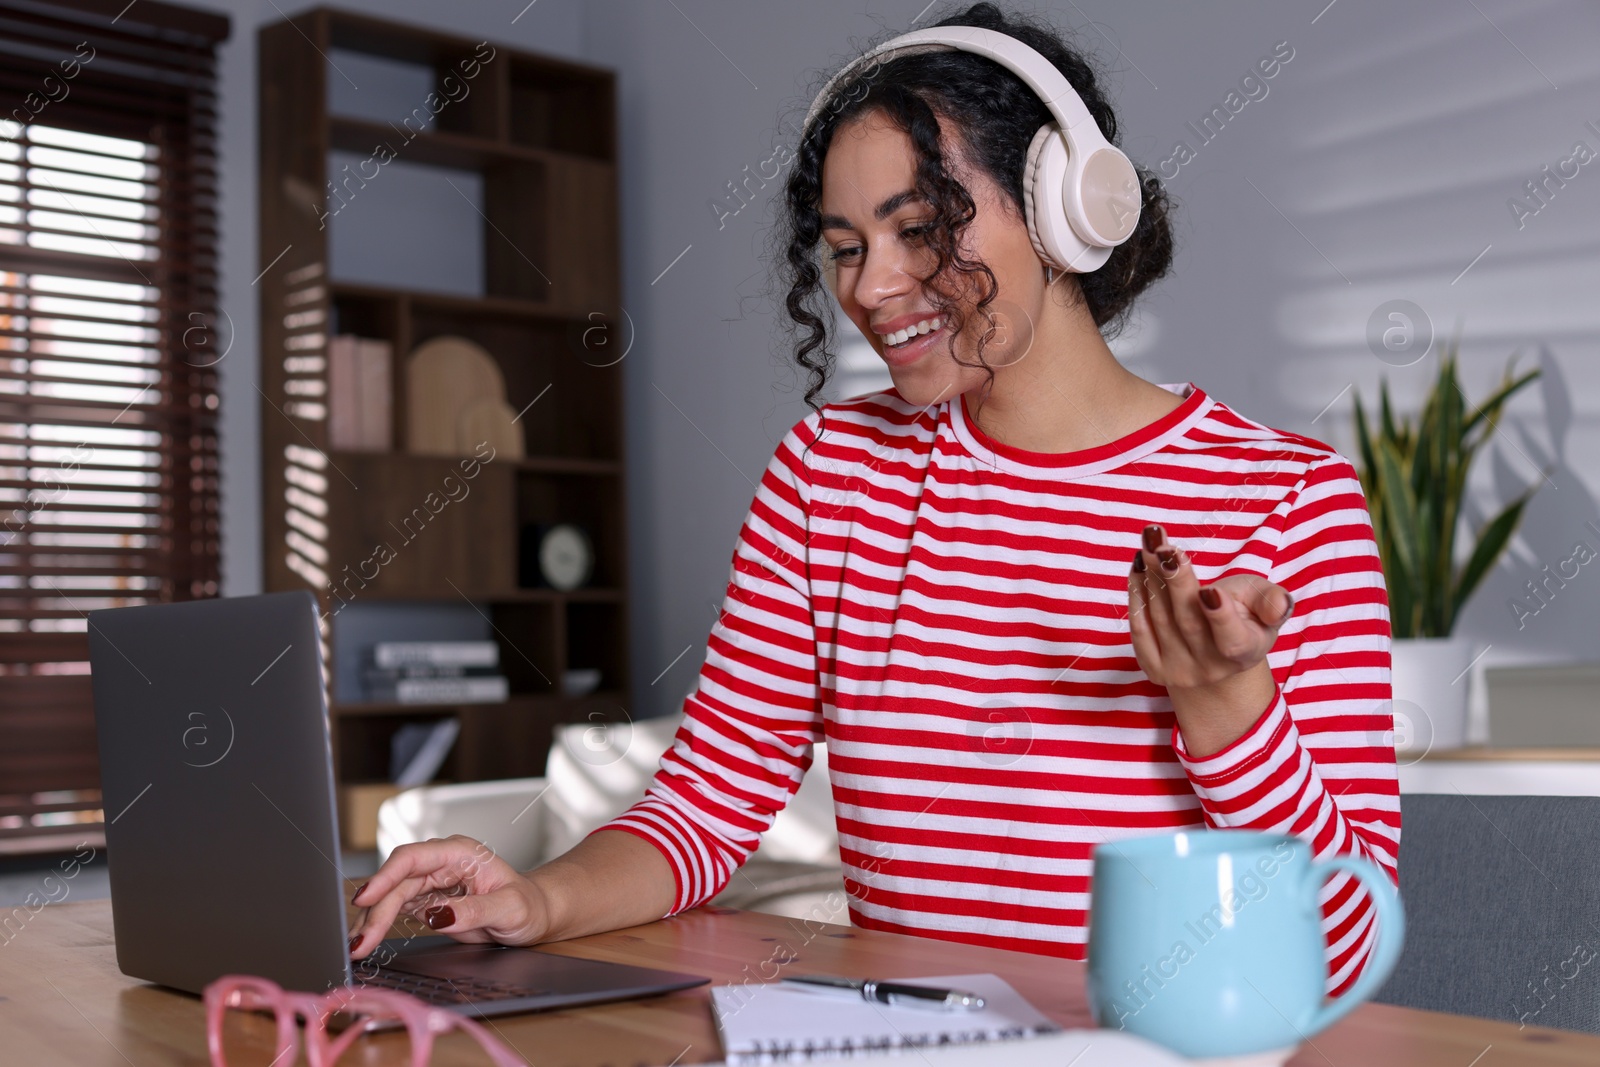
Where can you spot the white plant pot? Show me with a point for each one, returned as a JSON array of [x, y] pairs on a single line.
[[1432, 686]]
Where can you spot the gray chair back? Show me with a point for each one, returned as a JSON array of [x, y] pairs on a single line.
[[1502, 898]]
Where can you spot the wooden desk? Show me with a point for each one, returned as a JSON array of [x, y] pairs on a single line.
[[63, 1001]]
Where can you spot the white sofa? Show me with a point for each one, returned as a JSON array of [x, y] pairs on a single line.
[[593, 773]]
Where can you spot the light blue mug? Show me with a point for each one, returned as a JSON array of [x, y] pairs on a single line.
[[1210, 941]]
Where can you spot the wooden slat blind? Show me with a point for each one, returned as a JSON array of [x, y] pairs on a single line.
[[108, 351]]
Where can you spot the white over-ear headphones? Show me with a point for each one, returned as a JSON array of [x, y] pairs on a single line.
[[1080, 193]]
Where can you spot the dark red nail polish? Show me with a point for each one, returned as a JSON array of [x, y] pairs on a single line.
[[1138, 561], [1211, 598], [355, 939], [440, 917], [362, 888], [1168, 560], [1152, 538]]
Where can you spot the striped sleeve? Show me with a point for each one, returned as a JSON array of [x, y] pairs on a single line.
[[1319, 763], [754, 713]]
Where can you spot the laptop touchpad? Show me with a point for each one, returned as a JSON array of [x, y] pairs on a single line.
[[524, 968]]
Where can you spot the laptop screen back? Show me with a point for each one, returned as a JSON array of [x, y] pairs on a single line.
[[217, 780]]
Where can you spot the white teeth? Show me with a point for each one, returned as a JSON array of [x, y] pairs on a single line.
[[900, 337]]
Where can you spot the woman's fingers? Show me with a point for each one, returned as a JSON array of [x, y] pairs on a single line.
[[1245, 612], [411, 879], [377, 919], [460, 859], [504, 915], [1158, 595], [1235, 634], [1185, 634], [1270, 603], [1145, 646], [1182, 590]]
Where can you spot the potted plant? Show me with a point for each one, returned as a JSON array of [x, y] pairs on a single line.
[[1414, 475]]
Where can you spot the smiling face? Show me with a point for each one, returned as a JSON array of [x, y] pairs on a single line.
[[870, 219]]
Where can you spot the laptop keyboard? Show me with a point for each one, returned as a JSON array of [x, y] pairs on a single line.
[[446, 990]]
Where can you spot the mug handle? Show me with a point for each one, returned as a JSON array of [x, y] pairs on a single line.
[[1391, 919]]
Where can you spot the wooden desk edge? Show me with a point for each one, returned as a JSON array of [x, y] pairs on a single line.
[[87, 1004]]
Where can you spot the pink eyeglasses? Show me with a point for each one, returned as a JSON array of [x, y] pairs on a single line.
[[368, 1009]]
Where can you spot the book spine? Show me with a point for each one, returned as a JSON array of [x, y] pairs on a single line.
[[344, 429], [425, 670], [492, 690], [436, 653]]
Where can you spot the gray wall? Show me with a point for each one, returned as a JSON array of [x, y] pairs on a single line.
[[1377, 167]]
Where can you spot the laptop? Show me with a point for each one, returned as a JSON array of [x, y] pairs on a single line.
[[216, 769]]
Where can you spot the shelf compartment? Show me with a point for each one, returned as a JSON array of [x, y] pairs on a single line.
[[567, 408], [528, 248], [566, 110], [419, 526], [468, 76], [379, 317], [364, 739], [513, 740], [596, 637], [377, 314], [594, 504], [531, 646]]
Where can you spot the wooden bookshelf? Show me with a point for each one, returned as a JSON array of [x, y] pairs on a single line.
[[542, 133]]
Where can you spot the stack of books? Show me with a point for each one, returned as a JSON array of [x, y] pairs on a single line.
[[360, 401], [435, 672]]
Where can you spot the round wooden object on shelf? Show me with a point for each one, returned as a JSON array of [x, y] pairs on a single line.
[[444, 377], [492, 421]]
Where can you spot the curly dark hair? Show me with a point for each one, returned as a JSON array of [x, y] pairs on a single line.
[[994, 115]]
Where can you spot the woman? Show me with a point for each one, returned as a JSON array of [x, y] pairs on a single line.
[[1032, 602]]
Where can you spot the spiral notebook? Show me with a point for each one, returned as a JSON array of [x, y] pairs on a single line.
[[781, 1023]]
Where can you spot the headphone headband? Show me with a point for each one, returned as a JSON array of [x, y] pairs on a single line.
[[1038, 73]]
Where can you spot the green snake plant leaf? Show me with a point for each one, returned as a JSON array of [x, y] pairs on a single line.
[[1402, 520], [1369, 465], [1491, 542], [1386, 427], [1490, 408], [1445, 493], [1371, 487]]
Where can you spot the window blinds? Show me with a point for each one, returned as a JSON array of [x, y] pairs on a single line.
[[109, 345]]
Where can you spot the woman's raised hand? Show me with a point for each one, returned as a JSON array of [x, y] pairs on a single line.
[[456, 885], [1207, 645], [1186, 635]]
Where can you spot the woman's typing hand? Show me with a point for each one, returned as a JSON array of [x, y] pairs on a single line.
[[457, 886], [1207, 645]]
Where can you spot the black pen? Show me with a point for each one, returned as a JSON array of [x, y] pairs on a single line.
[[897, 994]]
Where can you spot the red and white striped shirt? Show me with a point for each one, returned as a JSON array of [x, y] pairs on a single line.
[[951, 614]]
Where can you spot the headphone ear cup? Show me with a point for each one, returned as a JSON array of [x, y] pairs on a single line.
[[1030, 186], [1044, 176]]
